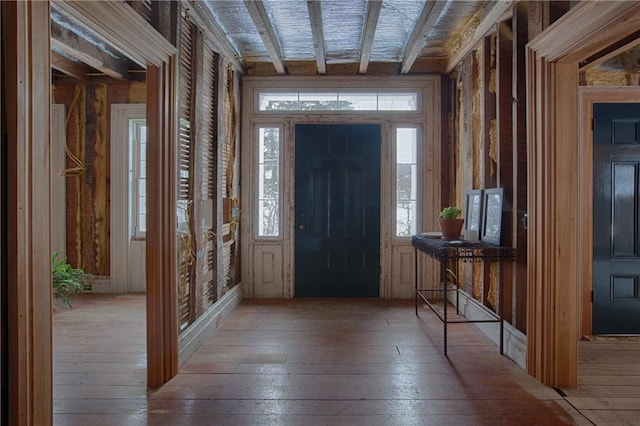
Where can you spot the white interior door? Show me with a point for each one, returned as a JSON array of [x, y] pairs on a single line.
[[127, 250]]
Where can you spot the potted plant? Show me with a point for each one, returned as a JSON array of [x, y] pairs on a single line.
[[67, 280], [450, 223]]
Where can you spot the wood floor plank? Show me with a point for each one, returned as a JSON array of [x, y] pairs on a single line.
[[320, 362]]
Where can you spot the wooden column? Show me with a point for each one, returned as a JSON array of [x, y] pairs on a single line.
[[553, 176], [162, 314], [26, 84]]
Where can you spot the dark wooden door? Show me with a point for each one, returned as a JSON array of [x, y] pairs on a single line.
[[337, 208], [616, 215]]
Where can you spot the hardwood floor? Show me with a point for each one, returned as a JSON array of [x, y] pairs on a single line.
[[304, 362]]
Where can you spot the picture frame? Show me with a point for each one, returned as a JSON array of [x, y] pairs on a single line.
[[473, 210], [492, 200]]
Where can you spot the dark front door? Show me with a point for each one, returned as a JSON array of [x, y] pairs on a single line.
[[337, 207], [616, 218]]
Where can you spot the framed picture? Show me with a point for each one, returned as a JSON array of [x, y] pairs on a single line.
[[473, 210], [492, 215]]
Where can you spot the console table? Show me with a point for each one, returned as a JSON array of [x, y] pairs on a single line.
[[451, 252]]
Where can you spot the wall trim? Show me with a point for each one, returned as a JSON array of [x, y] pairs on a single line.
[[515, 341], [191, 339]]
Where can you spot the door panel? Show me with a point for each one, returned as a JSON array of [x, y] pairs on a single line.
[[337, 208], [616, 215]]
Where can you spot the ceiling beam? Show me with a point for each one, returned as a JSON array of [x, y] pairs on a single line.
[[77, 47], [612, 51], [371, 22], [70, 68], [427, 18], [263, 25], [317, 30], [497, 13]]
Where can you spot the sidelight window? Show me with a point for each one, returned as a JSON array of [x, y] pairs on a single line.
[[269, 143], [406, 190]]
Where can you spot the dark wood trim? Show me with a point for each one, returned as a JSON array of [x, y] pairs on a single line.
[[162, 315], [520, 33], [504, 150]]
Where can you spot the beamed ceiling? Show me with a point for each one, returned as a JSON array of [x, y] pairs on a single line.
[[308, 37], [320, 35]]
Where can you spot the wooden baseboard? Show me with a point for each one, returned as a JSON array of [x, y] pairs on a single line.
[[190, 340], [515, 342]]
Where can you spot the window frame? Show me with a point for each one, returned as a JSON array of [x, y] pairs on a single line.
[[134, 177], [419, 182], [257, 217], [417, 92]]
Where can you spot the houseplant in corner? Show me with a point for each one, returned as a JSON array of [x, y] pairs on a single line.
[[450, 223], [67, 280]]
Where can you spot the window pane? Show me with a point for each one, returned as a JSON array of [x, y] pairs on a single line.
[[279, 101], [319, 101], [269, 144], [406, 218], [398, 101], [142, 223], [269, 181], [357, 101], [269, 213]]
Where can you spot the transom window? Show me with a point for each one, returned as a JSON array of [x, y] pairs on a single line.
[[348, 100]]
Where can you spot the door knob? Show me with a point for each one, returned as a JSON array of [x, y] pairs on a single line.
[[301, 227]]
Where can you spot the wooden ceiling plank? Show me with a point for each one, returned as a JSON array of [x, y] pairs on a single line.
[[216, 38], [77, 47], [261, 20], [497, 13], [371, 22], [70, 68], [425, 21], [612, 51], [317, 30]]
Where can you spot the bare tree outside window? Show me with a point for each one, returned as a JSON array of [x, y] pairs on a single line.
[[406, 181], [269, 182]]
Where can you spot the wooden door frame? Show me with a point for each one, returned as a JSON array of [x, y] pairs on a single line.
[[26, 89], [556, 237], [588, 97], [27, 83], [130, 33]]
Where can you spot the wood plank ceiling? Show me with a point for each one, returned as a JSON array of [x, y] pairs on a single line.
[[320, 36], [307, 37]]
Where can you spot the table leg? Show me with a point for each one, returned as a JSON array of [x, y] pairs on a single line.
[[501, 305], [443, 278], [415, 277]]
